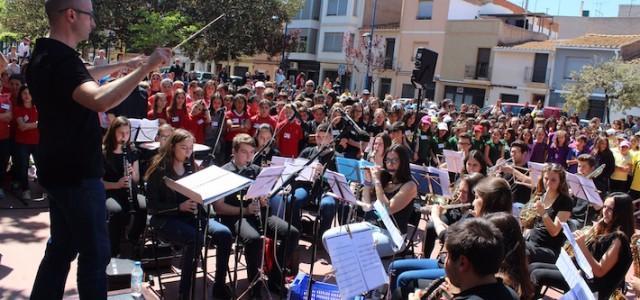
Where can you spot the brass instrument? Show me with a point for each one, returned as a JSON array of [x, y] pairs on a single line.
[[528, 214], [427, 208], [589, 232], [596, 172], [437, 290]]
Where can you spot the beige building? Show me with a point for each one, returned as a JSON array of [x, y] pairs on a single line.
[[468, 57]]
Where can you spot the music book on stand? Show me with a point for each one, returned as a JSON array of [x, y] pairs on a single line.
[[265, 183], [355, 259], [144, 130], [455, 160], [431, 180], [209, 185], [352, 169]]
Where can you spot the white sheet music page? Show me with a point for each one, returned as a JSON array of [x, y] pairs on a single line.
[[443, 176], [574, 184], [339, 186], [148, 129], [263, 184], [455, 160], [579, 288], [356, 262], [535, 170], [396, 236], [577, 252], [211, 184], [591, 191]]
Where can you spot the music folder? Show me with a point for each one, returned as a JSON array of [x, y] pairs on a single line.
[[143, 130], [353, 169], [339, 187], [208, 185], [354, 257], [265, 183], [431, 180]]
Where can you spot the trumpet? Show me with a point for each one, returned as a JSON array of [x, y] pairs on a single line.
[[427, 208], [494, 170], [589, 233]]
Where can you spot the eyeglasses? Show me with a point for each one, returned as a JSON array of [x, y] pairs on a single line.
[[84, 12], [392, 160]]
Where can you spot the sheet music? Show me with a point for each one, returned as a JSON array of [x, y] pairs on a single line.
[[579, 288], [352, 169], [574, 184], [591, 191], [431, 180], [209, 185], [535, 171], [356, 261], [263, 184], [148, 129], [281, 161], [340, 186], [455, 160], [577, 253], [396, 236]]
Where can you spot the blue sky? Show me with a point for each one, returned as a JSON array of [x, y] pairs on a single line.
[[597, 8]]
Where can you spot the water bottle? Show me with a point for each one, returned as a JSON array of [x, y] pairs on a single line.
[[136, 280]]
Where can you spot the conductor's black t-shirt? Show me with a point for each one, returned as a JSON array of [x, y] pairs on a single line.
[[70, 134]]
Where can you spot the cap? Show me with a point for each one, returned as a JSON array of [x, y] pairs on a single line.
[[433, 106], [478, 128], [611, 131], [625, 143], [426, 120], [443, 126], [366, 92], [259, 84], [447, 119]]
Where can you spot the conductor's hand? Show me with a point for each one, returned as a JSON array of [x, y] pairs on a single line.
[[123, 183], [189, 206], [136, 62], [159, 58]]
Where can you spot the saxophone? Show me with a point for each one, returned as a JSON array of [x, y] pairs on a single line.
[[528, 214]]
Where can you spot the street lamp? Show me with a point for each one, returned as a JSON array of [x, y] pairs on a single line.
[[367, 81], [283, 64]]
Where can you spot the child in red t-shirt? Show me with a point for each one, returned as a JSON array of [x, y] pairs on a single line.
[[289, 134], [159, 109], [27, 137], [177, 113], [237, 121], [199, 118], [262, 117]]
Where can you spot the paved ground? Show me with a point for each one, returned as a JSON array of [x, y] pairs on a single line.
[[24, 233]]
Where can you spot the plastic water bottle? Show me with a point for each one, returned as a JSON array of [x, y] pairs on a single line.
[[136, 280]]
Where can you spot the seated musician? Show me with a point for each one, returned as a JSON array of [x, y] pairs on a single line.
[[248, 228], [475, 163], [545, 238], [381, 142], [605, 246], [264, 134], [521, 192], [475, 253], [584, 213], [464, 195], [116, 183], [304, 191], [173, 214], [395, 188], [492, 195]]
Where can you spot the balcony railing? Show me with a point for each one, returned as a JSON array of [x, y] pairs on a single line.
[[478, 71]]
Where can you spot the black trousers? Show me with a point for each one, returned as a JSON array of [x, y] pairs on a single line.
[[277, 229], [544, 274], [540, 254]]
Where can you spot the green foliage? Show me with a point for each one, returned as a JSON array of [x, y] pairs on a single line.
[[157, 30], [618, 81], [24, 18]]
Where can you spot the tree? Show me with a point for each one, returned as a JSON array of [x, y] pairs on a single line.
[[157, 30], [618, 81], [24, 18]]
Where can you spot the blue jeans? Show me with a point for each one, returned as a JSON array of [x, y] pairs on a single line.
[[410, 270], [182, 231], [301, 198], [23, 151], [78, 228]]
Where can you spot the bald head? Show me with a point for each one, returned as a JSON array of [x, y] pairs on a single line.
[[53, 7]]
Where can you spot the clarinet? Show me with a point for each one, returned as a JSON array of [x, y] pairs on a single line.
[[258, 215], [126, 165]]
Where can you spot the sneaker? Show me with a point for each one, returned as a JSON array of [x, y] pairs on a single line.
[[26, 195], [44, 197], [221, 291]]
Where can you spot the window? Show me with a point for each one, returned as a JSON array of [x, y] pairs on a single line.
[[425, 9], [509, 98], [408, 91], [307, 41], [389, 53], [540, 68], [332, 42], [302, 44], [310, 10], [574, 64], [337, 7], [385, 87], [482, 65]]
